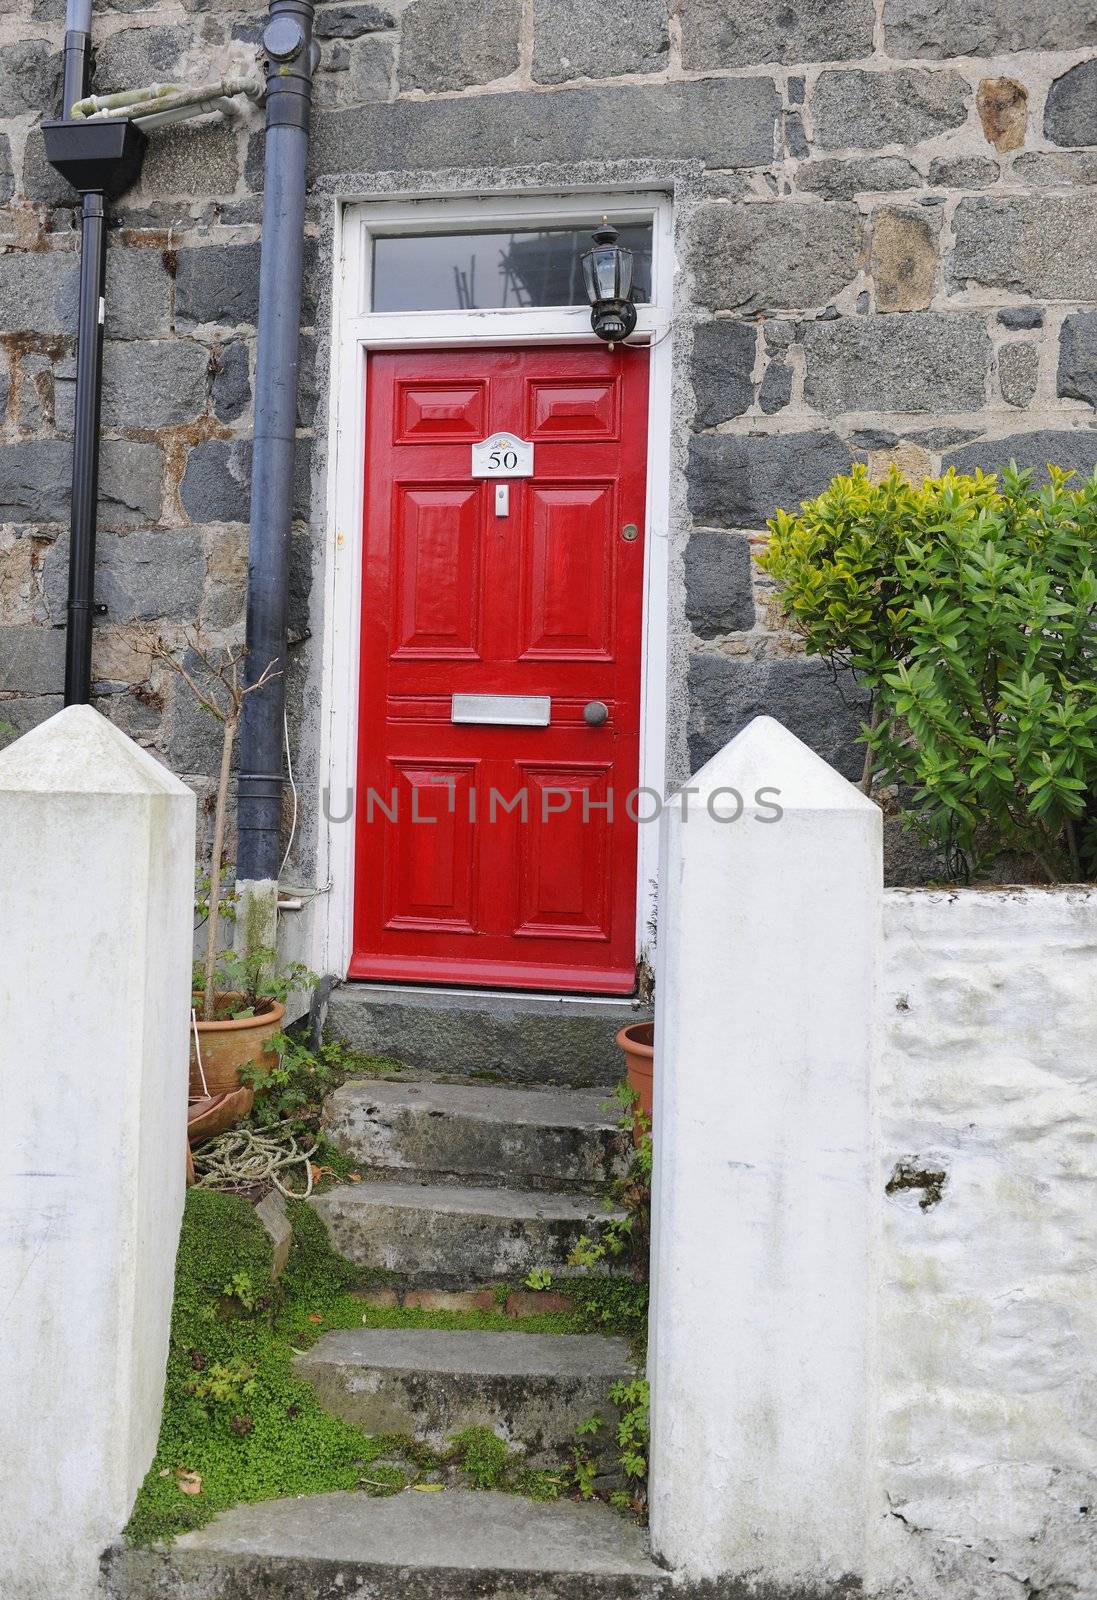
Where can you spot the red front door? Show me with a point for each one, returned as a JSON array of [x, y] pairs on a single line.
[[495, 836]]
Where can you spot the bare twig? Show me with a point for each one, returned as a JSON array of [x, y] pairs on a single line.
[[226, 704]]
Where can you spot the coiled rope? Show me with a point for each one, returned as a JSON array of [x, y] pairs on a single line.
[[245, 1156]]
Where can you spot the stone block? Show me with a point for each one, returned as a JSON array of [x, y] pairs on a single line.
[[271, 1212], [796, 140], [139, 576], [774, 255], [823, 708], [131, 483], [722, 122], [136, 56], [902, 107], [1077, 374], [776, 390], [926, 361], [18, 714], [1021, 317], [1043, 245], [719, 597], [216, 485], [1049, 168], [1018, 370], [715, 34], [630, 36], [39, 180], [38, 292], [153, 383], [963, 172], [32, 661], [30, 77], [1070, 114], [365, 76], [836, 179], [216, 481], [217, 284], [904, 258], [723, 363], [939, 29], [190, 161], [739, 480], [138, 294], [351, 21], [35, 476], [1002, 104], [1063, 447], [195, 736], [232, 380], [454, 47]]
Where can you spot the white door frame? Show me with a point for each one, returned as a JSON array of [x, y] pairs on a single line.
[[355, 331]]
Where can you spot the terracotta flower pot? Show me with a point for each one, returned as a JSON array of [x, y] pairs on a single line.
[[228, 1046], [638, 1043]]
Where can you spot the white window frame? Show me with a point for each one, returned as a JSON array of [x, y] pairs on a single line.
[[355, 331]]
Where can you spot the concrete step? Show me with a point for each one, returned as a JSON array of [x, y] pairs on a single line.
[[520, 1038], [531, 1389], [484, 1133], [443, 1234], [456, 1545]]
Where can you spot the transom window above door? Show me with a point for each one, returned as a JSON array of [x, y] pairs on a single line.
[[497, 270]]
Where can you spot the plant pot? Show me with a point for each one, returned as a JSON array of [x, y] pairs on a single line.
[[228, 1046], [638, 1043]]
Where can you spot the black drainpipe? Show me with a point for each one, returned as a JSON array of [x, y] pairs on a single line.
[[98, 159], [288, 46]]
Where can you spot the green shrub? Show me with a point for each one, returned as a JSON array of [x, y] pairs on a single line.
[[969, 608]]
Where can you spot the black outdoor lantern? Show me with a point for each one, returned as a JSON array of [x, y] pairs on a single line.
[[607, 268]]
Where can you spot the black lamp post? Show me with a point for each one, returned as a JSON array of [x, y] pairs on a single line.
[[607, 268]]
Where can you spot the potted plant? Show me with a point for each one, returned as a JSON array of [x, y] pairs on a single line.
[[239, 1001], [638, 1043], [249, 1003]]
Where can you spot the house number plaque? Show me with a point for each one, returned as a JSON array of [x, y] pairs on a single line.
[[504, 455]]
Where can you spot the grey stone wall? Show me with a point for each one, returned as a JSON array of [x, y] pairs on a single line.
[[894, 258]]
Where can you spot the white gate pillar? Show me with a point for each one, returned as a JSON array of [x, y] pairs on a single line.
[[768, 941], [96, 896]]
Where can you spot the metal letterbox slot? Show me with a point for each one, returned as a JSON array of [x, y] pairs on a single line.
[[505, 710]]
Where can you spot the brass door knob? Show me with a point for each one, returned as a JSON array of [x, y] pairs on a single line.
[[595, 713]]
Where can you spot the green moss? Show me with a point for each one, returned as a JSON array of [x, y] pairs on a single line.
[[235, 1414], [483, 1455]]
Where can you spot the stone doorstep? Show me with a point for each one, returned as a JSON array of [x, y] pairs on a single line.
[[487, 1134], [439, 1235], [531, 1389], [519, 1038], [454, 1545]]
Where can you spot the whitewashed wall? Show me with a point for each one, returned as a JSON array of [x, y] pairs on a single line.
[[874, 1295], [987, 1299]]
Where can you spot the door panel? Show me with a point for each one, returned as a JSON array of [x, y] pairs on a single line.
[[486, 853]]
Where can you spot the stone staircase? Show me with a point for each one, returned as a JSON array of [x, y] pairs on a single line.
[[463, 1184], [466, 1184]]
